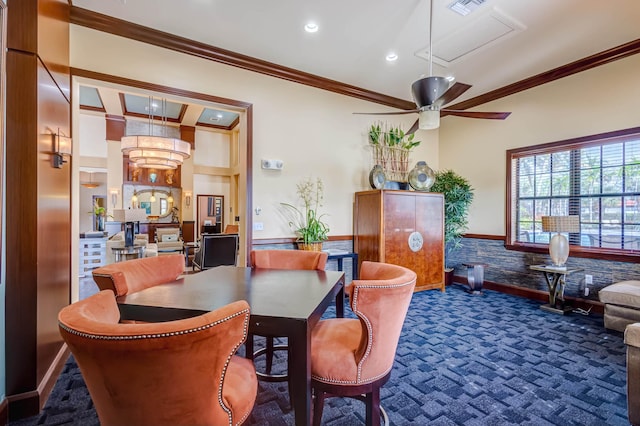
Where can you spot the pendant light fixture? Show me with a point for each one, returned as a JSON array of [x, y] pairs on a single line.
[[157, 152], [91, 184]]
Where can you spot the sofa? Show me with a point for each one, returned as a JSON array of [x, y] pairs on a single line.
[[621, 304], [117, 240]]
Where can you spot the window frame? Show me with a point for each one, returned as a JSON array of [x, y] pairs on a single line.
[[549, 148]]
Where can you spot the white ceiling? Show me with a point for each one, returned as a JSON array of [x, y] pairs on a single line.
[[356, 35]]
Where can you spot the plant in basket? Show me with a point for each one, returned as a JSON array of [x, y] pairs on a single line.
[[307, 222], [390, 149]]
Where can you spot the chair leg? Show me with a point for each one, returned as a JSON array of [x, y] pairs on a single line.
[[269, 354], [372, 401], [318, 405], [248, 347]]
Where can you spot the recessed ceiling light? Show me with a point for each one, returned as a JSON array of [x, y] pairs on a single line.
[[391, 57], [311, 27]]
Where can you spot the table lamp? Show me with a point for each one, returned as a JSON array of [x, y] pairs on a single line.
[[129, 217], [559, 245]]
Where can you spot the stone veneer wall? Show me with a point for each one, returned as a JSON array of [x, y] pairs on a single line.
[[332, 265], [512, 267]]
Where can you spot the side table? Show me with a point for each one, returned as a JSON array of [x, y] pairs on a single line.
[[555, 277], [125, 253], [339, 257]]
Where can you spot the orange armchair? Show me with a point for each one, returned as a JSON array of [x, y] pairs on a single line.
[[170, 373], [281, 259], [135, 275], [353, 357]]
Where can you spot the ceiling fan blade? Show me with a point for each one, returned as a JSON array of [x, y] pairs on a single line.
[[454, 91], [388, 113], [476, 114], [413, 128]]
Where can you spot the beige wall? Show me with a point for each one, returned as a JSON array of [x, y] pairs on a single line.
[[600, 100], [313, 131]]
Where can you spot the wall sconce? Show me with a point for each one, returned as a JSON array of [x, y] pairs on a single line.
[[187, 198], [61, 147], [114, 196]]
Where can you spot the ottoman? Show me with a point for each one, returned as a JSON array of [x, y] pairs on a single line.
[[621, 304]]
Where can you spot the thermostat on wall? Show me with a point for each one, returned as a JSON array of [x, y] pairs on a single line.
[[272, 164]]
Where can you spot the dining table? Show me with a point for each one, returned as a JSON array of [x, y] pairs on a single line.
[[286, 303]]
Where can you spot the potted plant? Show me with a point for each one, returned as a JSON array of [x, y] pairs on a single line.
[[307, 223], [458, 195], [391, 147], [100, 214]]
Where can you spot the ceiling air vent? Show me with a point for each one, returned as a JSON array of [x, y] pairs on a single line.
[[465, 7]]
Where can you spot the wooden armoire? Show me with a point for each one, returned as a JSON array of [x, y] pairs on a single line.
[[404, 228]]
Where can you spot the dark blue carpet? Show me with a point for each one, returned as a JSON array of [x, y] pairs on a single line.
[[462, 360]]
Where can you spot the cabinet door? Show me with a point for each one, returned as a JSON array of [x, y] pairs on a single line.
[[429, 222], [399, 223]]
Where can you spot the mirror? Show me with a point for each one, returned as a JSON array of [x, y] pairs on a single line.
[[160, 207], [210, 210]]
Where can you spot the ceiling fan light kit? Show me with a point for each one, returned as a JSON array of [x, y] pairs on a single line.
[[429, 119]]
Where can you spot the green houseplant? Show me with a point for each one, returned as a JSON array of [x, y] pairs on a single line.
[[458, 195], [307, 223]]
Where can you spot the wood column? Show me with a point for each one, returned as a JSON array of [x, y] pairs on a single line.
[[38, 208]]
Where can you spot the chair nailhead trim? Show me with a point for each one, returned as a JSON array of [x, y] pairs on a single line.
[[244, 312], [148, 336], [369, 328]]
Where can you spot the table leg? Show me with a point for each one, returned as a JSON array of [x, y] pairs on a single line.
[[300, 373], [340, 303], [555, 285]]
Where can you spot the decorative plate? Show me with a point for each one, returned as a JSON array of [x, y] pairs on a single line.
[[377, 177], [421, 177]]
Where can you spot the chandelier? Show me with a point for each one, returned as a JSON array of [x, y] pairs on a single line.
[[157, 152]]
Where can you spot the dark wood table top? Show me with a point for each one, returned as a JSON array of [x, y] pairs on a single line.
[[272, 293]]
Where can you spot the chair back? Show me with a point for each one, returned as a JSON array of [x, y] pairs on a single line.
[[167, 373], [174, 234], [216, 250], [289, 259], [380, 299], [137, 274], [231, 229]]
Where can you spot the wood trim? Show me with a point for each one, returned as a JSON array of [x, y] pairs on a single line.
[[269, 241], [4, 411], [485, 237], [538, 295], [78, 72], [115, 127], [584, 64], [567, 144], [104, 23]]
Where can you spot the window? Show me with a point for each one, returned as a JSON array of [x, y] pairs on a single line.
[[596, 178]]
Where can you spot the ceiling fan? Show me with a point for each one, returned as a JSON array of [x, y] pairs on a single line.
[[432, 93]]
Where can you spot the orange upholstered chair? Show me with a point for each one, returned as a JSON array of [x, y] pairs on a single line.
[[353, 357], [137, 274], [169, 373], [281, 259]]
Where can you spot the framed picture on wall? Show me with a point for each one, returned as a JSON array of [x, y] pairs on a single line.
[[146, 205]]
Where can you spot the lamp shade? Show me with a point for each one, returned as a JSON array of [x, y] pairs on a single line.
[[561, 223], [130, 215]]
